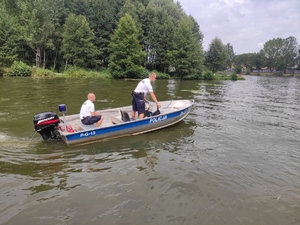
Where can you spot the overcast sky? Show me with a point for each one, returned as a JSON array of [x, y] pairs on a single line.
[[245, 24]]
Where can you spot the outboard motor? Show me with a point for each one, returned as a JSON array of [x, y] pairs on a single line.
[[45, 124]]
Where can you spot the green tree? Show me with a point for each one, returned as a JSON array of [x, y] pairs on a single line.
[[160, 20], [290, 51], [150, 27], [102, 17], [35, 21], [187, 54], [272, 53], [230, 54], [280, 53], [52, 34], [35, 17], [196, 29], [144, 2], [127, 54], [135, 9], [40, 32], [258, 60], [297, 60], [77, 43], [165, 45], [248, 60], [215, 57], [9, 39]]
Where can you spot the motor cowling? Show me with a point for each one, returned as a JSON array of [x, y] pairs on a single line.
[[45, 124]]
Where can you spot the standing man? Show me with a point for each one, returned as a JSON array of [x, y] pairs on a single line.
[[138, 96], [88, 115]]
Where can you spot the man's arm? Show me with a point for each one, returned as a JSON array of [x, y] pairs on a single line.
[[154, 98], [94, 113]]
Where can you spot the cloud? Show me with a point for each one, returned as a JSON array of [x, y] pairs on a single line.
[[245, 24]]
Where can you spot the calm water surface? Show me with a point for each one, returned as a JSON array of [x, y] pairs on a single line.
[[234, 160]]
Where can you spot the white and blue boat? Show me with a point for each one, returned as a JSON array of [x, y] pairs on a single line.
[[116, 123]]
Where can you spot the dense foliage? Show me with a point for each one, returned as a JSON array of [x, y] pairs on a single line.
[[125, 36], [128, 37], [77, 43], [19, 69]]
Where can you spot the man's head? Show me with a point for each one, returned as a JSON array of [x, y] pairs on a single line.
[[91, 97], [152, 76]]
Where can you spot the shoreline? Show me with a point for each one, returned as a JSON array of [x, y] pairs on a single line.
[[271, 74]]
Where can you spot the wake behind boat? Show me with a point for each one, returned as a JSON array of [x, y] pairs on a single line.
[[116, 123]]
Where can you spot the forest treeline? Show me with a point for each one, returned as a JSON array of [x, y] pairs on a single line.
[[128, 37], [278, 56]]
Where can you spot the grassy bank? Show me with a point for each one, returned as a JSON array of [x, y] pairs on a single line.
[[72, 73], [22, 70], [227, 76]]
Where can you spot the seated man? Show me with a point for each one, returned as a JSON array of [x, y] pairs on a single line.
[[88, 115]]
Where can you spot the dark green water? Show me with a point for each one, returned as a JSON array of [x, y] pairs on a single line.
[[233, 160]]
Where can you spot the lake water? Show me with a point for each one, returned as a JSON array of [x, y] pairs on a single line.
[[234, 160]]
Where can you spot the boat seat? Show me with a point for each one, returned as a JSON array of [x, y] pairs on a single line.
[[80, 126], [115, 120], [124, 116]]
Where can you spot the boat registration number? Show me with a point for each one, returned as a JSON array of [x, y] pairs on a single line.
[[86, 134]]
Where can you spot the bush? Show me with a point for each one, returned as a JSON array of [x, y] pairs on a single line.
[[74, 71], [19, 69], [222, 77], [234, 76], [77, 72], [238, 69], [193, 77], [160, 75], [208, 75], [143, 74], [40, 72]]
